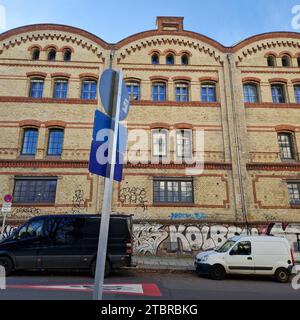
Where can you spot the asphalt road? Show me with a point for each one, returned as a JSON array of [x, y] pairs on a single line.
[[171, 286]]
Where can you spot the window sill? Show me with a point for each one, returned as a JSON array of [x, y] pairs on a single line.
[[173, 204]]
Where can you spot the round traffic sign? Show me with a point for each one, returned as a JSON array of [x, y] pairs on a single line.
[[8, 198], [107, 87]]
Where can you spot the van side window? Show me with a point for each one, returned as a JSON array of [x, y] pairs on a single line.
[[242, 249], [31, 230]]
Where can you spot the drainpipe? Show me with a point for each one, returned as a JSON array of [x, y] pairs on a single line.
[[237, 143]]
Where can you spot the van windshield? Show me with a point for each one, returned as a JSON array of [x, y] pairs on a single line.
[[226, 246]]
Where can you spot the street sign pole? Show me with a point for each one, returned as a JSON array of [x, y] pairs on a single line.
[[108, 191]]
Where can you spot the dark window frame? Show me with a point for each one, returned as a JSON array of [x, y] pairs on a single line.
[[279, 98], [180, 181], [294, 185], [287, 147], [206, 97], [25, 131], [250, 95], [31, 190], [157, 97], [50, 146], [60, 93], [91, 92], [36, 88]]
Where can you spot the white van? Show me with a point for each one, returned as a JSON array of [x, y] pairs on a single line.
[[260, 255]]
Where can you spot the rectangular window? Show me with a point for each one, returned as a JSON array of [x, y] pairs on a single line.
[[294, 192], [30, 140], [285, 140], [278, 93], [35, 190], [36, 89], [173, 191], [184, 144], [89, 90], [56, 139], [159, 92], [250, 93], [60, 89], [208, 93], [182, 92], [160, 144], [133, 91], [297, 93]]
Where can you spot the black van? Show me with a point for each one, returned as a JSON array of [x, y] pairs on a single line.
[[66, 242]]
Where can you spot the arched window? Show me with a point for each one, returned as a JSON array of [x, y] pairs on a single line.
[[271, 61], [134, 91], [55, 144], [30, 139], [159, 91], [208, 92], [286, 61], [89, 89], [185, 60], [286, 145], [67, 55], [170, 59], [52, 55], [160, 143], [155, 58], [36, 88], [251, 93], [60, 89], [298, 61], [35, 54], [182, 92], [297, 93], [278, 93]]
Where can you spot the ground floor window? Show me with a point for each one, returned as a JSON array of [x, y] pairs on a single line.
[[294, 192], [35, 190], [173, 191]]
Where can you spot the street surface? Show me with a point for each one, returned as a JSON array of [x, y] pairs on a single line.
[[133, 285]]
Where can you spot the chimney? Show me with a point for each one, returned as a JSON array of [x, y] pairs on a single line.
[[169, 23]]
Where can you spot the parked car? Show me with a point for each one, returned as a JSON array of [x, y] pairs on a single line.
[[250, 255], [66, 242]]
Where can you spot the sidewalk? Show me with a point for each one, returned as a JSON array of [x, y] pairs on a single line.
[[166, 263], [163, 263]]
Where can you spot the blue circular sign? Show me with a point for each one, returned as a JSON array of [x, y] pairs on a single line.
[[107, 87]]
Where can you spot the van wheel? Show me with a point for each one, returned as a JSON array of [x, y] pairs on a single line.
[[7, 264], [217, 272], [282, 275], [107, 269]]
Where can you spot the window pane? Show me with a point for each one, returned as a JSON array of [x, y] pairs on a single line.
[[182, 93], [173, 191], [294, 192], [297, 93], [35, 191], [36, 88], [278, 94], [159, 92], [60, 89], [30, 142], [184, 144], [285, 141], [160, 143], [133, 91], [89, 90], [208, 93], [56, 138], [251, 93]]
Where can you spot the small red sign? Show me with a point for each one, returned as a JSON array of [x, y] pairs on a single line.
[[8, 198]]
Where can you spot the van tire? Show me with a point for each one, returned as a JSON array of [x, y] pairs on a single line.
[[107, 268], [282, 275], [7, 264], [217, 272]]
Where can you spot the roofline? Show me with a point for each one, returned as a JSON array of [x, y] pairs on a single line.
[[54, 27], [149, 33]]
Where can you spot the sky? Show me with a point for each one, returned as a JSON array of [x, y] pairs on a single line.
[[226, 21]]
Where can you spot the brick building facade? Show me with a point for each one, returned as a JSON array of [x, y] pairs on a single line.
[[245, 98]]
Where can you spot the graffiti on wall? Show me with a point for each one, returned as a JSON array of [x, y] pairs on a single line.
[[78, 201], [26, 211], [188, 216], [189, 239], [8, 230], [134, 196]]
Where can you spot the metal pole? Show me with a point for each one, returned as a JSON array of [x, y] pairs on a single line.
[[108, 192]]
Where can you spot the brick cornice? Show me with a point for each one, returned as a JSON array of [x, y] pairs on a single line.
[[36, 74], [30, 123], [55, 123], [251, 79], [285, 127], [273, 105], [208, 79], [274, 166], [10, 99], [176, 104], [274, 80], [60, 75]]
